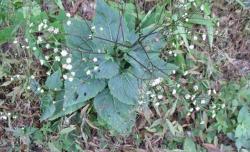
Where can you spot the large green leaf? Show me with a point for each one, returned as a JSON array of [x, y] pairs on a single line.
[[119, 116], [76, 94], [189, 145], [54, 81], [125, 87], [107, 69]]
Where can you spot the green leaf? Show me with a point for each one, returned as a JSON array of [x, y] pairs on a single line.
[[54, 81], [107, 69], [76, 94], [6, 34], [119, 116], [189, 145], [125, 87]]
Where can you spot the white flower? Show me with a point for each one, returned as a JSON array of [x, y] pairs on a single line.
[[195, 38], [204, 37], [32, 77], [73, 73], [95, 59], [173, 92], [69, 67], [96, 68], [156, 82], [152, 95], [28, 88], [48, 72], [40, 26], [213, 116], [15, 41], [185, 73], [202, 7], [193, 96], [68, 15], [84, 59], [65, 77], [31, 24], [68, 23], [203, 101], [195, 87], [68, 60], [173, 71], [101, 28], [4, 117], [202, 122], [194, 102], [178, 85], [64, 66], [209, 92], [56, 30], [148, 92], [42, 62], [88, 72], [157, 104], [160, 97], [191, 109], [186, 19], [47, 57], [223, 106], [187, 96], [45, 21], [64, 53], [93, 27], [57, 58], [191, 47], [26, 40], [175, 54], [55, 50], [39, 39], [42, 91], [45, 26], [197, 108], [170, 52], [51, 29], [214, 91], [34, 48], [71, 79]]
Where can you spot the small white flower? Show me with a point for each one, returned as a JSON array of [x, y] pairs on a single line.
[[186, 19], [193, 96], [218, 24], [14, 117], [175, 54], [195, 87], [68, 15], [213, 116], [203, 101], [48, 72], [202, 7], [93, 27], [32, 77], [45, 26], [73, 73], [46, 57], [84, 59], [54, 102], [202, 122], [71, 79], [223, 106], [148, 92], [214, 91], [187, 96], [51, 29], [28, 88], [45, 21], [42, 91], [34, 48], [178, 85], [195, 38], [68, 23], [55, 50], [173, 92], [69, 67], [197, 108], [15, 41], [156, 82], [209, 92], [191, 47], [101, 28], [194, 102], [64, 53], [4, 117], [65, 77], [18, 76], [185, 73], [26, 40], [42, 62], [39, 39], [47, 46], [173, 71], [64, 66], [170, 52], [88, 72], [57, 58], [152, 95], [31, 24], [56, 30], [68, 60], [204, 37], [191, 109], [96, 68], [95, 59], [160, 97], [157, 104]]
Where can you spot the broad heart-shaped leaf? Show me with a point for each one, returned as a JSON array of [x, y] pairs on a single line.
[[119, 116], [76, 93], [54, 81], [125, 87], [107, 69], [148, 65], [110, 25]]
